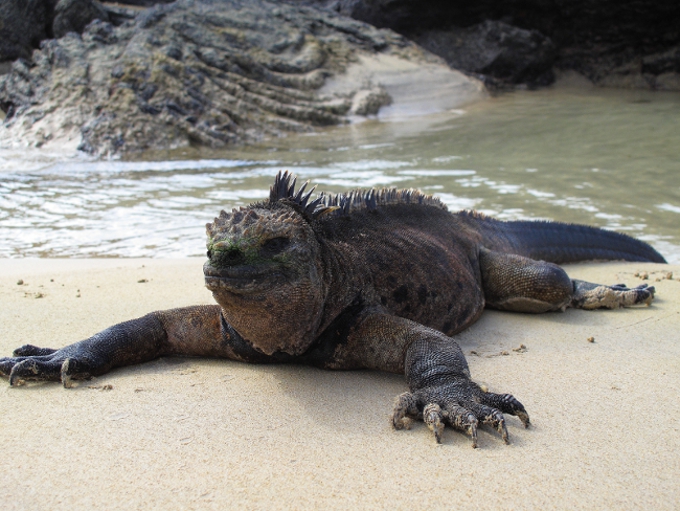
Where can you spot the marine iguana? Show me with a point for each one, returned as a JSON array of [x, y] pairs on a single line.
[[378, 279]]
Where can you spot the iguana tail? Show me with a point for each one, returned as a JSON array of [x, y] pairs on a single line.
[[559, 243]]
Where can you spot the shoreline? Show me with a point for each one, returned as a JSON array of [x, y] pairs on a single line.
[[182, 433]]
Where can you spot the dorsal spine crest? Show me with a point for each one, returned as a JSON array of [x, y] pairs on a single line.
[[338, 205]]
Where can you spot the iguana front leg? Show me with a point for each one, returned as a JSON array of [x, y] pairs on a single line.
[[441, 390], [187, 331]]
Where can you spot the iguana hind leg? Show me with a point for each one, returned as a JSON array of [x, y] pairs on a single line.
[[521, 284]]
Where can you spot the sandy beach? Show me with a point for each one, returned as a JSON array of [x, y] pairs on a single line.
[[180, 433]]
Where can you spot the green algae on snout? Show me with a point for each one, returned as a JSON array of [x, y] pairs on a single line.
[[230, 251]]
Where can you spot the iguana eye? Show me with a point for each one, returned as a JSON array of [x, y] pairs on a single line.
[[274, 246]]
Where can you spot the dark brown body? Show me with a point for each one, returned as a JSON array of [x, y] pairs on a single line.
[[417, 263]]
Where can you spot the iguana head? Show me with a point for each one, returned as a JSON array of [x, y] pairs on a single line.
[[264, 270]]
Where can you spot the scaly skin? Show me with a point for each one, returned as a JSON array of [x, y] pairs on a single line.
[[377, 279]]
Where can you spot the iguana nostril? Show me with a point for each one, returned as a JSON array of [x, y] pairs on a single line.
[[231, 257]]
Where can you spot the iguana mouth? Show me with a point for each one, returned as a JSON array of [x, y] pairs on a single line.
[[240, 279]]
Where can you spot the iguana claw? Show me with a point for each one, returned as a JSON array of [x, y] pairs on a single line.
[[461, 410], [31, 363], [432, 416]]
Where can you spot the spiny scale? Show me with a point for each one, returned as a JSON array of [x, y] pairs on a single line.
[[283, 188], [344, 204]]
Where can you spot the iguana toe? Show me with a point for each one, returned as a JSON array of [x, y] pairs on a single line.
[[28, 350], [464, 420], [433, 417], [34, 369], [506, 403], [494, 417], [405, 407]]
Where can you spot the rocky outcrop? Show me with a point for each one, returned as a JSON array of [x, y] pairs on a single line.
[[144, 3], [622, 43], [75, 15], [500, 53], [23, 24], [197, 72]]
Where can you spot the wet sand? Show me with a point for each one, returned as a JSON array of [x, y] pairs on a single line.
[[181, 433]]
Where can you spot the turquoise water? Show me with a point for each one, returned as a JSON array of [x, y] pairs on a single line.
[[602, 157]]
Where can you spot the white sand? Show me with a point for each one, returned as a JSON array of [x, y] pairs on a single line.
[[417, 87], [214, 434]]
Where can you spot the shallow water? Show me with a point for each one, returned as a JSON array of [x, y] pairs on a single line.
[[602, 157]]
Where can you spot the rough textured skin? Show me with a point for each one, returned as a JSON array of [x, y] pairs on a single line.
[[370, 279]]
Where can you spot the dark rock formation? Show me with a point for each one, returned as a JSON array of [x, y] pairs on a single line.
[[23, 24], [144, 3], [200, 72], [75, 15], [623, 43], [501, 53]]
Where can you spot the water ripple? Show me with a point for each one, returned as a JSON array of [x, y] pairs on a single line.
[[548, 154]]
